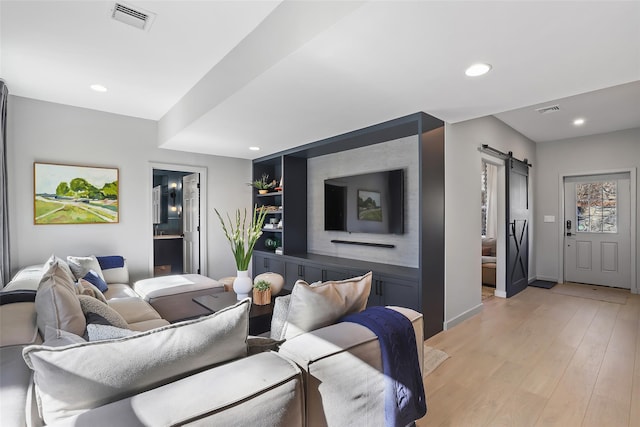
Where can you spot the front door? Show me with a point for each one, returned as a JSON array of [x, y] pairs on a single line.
[[597, 247], [517, 201], [191, 223]]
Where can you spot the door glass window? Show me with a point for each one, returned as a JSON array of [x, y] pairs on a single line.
[[596, 207]]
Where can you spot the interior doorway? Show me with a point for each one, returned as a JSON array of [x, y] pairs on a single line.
[[493, 226], [489, 212], [178, 195]]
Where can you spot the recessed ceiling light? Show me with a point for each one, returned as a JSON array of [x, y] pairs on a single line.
[[578, 122], [98, 88], [254, 148], [477, 70]]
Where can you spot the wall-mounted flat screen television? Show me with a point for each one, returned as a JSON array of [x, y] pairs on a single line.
[[365, 203]]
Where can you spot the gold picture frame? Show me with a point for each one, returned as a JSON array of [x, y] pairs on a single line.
[[72, 194]]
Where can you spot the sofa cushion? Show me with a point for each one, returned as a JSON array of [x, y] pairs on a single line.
[[81, 265], [72, 380], [114, 269], [119, 290], [57, 304], [134, 309], [322, 304]]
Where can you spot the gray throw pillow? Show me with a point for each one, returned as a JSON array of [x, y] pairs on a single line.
[[56, 302], [60, 338], [280, 310]]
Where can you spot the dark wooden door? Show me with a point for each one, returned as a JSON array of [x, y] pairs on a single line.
[[517, 195]]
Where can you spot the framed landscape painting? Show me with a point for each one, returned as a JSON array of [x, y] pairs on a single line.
[[68, 194]]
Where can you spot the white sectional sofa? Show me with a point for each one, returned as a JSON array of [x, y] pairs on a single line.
[[197, 372]]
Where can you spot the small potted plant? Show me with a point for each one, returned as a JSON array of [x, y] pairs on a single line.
[[263, 184], [262, 293]]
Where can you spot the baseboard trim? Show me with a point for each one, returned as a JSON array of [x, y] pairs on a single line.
[[500, 294], [462, 317]]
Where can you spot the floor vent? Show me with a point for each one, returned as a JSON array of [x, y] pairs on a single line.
[[549, 109], [138, 18]]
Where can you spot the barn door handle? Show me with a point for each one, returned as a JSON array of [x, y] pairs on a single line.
[[513, 228]]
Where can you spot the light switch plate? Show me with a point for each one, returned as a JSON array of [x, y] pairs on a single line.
[[549, 218]]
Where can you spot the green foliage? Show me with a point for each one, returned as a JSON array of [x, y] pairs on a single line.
[[241, 237], [62, 189], [263, 183], [110, 190], [262, 285]]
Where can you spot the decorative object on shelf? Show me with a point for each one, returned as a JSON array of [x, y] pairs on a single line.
[[242, 284], [274, 279], [271, 243], [262, 293], [263, 184], [69, 194], [281, 185], [242, 239]]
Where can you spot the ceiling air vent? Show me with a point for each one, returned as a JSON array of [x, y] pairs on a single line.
[[549, 109], [138, 18]]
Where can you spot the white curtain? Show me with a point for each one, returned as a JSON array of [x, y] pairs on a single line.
[[492, 200], [5, 274]]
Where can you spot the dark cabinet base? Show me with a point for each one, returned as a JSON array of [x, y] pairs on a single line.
[[391, 285]]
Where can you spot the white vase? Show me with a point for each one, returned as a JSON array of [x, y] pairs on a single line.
[[242, 284]]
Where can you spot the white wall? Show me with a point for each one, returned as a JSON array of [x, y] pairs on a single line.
[[398, 154], [604, 152], [463, 272], [47, 132]]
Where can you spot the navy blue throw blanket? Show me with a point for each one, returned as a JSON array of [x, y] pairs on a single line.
[[405, 401], [109, 262]]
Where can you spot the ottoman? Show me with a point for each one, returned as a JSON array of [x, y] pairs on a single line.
[[489, 274], [172, 296]]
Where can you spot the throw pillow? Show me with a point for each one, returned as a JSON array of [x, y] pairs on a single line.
[[57, 304], [97, 332], [114, 269], [106, 371], [61, 263], [322, 304], [88, 288], [93, 278], [80, 266], [280, 310], [60, 338], [91, 305]]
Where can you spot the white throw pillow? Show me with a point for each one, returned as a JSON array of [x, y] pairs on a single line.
[[80, 266], [322, 304], [72, 380]]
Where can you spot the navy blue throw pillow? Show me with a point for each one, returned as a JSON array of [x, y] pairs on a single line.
[[93, 278], [108, 262]]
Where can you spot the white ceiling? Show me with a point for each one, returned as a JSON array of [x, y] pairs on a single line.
[[222, 76]]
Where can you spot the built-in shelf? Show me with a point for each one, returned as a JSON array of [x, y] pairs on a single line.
[[273, 193]]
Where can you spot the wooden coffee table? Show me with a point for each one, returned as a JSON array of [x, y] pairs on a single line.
[[259, 315]]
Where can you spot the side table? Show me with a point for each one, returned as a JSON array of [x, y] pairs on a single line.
[[259, 315]]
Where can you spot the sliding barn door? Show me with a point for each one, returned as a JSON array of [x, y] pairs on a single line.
[[517, 201]]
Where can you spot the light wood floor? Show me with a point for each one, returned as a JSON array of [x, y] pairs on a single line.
[[539, 359]]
